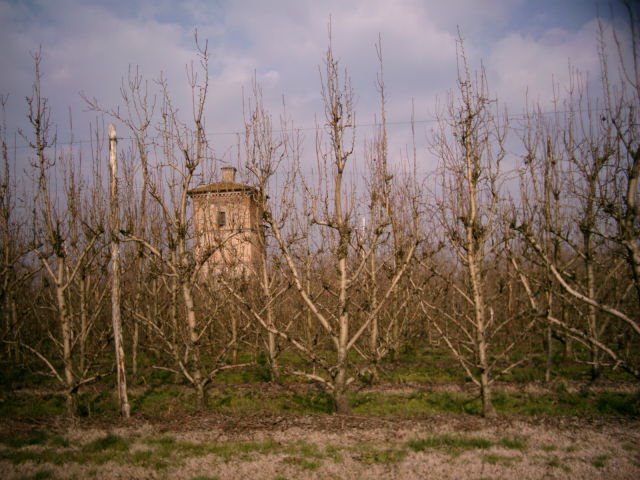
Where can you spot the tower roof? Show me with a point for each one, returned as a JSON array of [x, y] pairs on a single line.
[[218, 187]]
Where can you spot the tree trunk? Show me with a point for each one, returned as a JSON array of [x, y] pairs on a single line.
[[234, 338], [549, 351], [373, 334], [135, 341], [202, 398], [341, 399], [197, 379], [272, 344], [474, 237], [485, 387], [273, 353], [342, 404], [594, 352], [488, 409], [83, 321], [65, 327], [481, 341]]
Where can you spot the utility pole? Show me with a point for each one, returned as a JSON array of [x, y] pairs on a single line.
[[114, 225]]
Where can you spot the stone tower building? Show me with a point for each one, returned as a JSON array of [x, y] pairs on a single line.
[[227, 225]]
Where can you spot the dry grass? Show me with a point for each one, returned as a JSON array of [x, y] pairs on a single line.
[[325, 446]]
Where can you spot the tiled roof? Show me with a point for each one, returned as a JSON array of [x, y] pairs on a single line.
[[221, 187]]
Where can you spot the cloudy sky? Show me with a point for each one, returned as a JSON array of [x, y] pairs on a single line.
[[88, 46]]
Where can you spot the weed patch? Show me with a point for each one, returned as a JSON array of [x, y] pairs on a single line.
[[449, 443], [388, 456], [162, 401], [333, 452], [414, 404], [513, 443], [108, 442], [302, 463], [101, 403], [504, 460], [164, 441], [21, 405], [320, 402], [34, 437], [565, 403], [612, 403], [156, 460], [555, 462], [43, 474], [600, 461]]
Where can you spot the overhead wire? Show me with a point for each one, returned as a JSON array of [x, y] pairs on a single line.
[[509, 117]]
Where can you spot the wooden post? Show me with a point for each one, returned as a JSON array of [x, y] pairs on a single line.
[[115, 279]]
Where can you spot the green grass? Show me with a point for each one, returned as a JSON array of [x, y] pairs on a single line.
[[496, 459], [319, 402], [601, 461], [162, 394], [333, 452], [413, 365], [158, 378], [21, 405], [101, 450], [162, 452], [163, 400], [165, 442], [565, 403], [555, 462], [414, 404], [386, 456], [14, 377], [303, 463], [513, 443], [172, 400], [622, 404], [451, 444], [33, 437], [97, 403], [42, 475], [229, 450], [108, 442], [159, 453], [553, 404]]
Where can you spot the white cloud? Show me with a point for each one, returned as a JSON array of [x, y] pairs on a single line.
[[89, 46], [520, 65]]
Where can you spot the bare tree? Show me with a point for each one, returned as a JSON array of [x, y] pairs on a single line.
[[329, 222], [540, 192], [469, 143], [65, 239], [264, 154], [183, 148], [599, 160], [14, 246], [137, 116]]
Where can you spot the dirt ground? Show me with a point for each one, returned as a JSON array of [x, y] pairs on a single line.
[[342, 447]]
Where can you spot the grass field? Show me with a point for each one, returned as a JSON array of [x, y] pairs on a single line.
[[420, 419]]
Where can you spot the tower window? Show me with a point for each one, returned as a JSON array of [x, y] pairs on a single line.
[[222, 218]]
